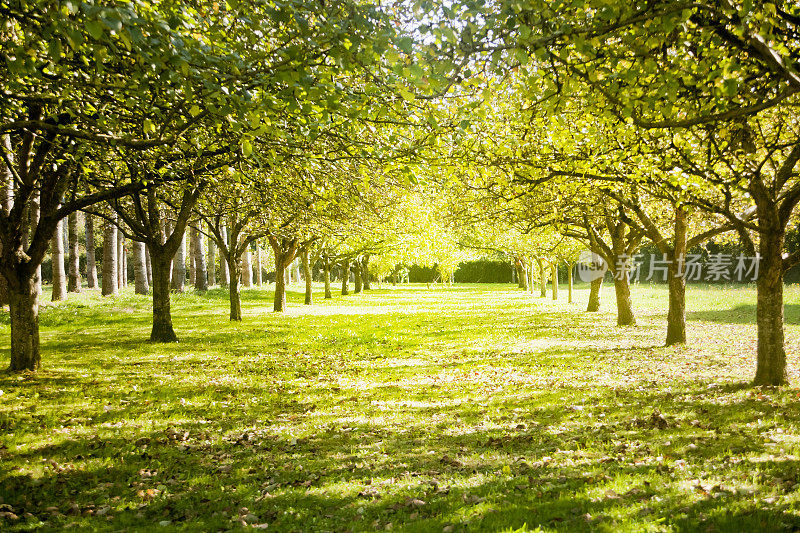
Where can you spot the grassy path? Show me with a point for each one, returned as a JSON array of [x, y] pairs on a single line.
[[474, 408]]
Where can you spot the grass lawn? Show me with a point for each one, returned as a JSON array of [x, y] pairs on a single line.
[[471, 408]]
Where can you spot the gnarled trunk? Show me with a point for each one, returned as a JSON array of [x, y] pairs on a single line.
[[234, 296], [554, 279], [74, 280], [676, 281], [365, 281], [570, 284], [771, 360], [594, 295], [162, 316], [24, 308], [622, 288], [281, 264]]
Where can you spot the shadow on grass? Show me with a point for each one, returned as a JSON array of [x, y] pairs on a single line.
[[742, 314]]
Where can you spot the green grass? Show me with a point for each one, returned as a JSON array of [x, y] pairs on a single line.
[[472, 408]]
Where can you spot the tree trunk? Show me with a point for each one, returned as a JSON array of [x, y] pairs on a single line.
[[346, 277], [279, 304], [771, 361], [148, 265], [542, 279], [326, 273], [200, 277], [179, 266], [91, 264], [365, 281], [247, 269], [622, 289], [570, 266], [224, 271], [57, 256], [121, 261], [211, 264], [233, 289], [74, 281], [357, 276], [24, 310], [676, 280], [522, 278], [162, 315], [307, 275], [141, 286], [594, 295], [110, 285], [554, 278], [192, 258], [259, 266], [531, 282]]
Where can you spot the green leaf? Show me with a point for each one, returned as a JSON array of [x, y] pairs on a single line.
[[247, 147], [95, 29], [406, 94]]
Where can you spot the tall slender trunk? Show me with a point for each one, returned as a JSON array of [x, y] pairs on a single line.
[[554, 278], [676, 280], [74, 280], [247, 269], [57, 255], [148, 265], [24, 310], [110, 285], [357, 276], [141, 286], [212, 263], [531, 282], [570, 284], [307, 275], [346, 277], [594, 295], [162, 316], [179, 266], [771, 360], [7, 201], [542, 278], [192, 257], [122, 267], [91, 264], [326, 274], [224, 270], [259, 266], [200, 275]]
